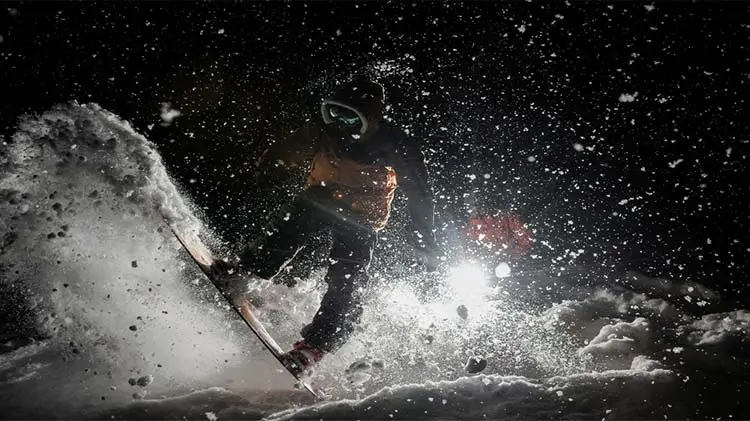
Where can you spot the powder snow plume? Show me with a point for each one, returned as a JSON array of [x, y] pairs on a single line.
[[106, 318], [94, 277]]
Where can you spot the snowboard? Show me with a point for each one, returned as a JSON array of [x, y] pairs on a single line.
[[200, 254]]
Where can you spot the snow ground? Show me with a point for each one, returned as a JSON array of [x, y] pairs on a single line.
[[106, 298]]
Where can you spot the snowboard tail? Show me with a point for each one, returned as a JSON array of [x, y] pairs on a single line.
[[203, 258]]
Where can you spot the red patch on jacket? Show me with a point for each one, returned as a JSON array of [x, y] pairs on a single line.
[[505, 232]]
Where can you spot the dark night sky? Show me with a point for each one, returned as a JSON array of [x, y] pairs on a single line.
[[509, 90]]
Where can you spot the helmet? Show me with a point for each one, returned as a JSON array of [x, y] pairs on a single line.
[[356, 106]]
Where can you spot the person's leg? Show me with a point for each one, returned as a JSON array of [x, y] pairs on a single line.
[[347, 279], [270, 254]]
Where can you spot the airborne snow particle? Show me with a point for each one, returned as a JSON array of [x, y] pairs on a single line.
[[1, 38], [475, 364], [502, 270], [675, 163], [462, 311], [211, 416], [134, 263], [649, 7], [168, 114], [578, 147], [144, 381], [628, 97], [133, 328], [131, 381]]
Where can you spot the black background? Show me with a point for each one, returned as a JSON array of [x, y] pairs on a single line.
[[483, 86]]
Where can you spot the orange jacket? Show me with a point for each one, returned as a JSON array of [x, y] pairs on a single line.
[[362, 174]]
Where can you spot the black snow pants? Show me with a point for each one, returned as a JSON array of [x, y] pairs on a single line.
[[347, 278]]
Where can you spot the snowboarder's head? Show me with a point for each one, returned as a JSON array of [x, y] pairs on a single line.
[[355, 107]]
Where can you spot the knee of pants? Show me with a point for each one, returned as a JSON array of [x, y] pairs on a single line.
[[347, 277], [262, 262]]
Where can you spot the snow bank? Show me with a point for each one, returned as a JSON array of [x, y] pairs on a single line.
[[90, 272], [616, 394], [713, 329], [642, 358], [647, 358], [210, 404]]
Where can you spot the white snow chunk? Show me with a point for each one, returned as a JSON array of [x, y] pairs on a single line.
[[359, 372], [168, 114], [144, 381], [578, 147], [620, 338], [675, 163], [643, 363], [649, 7], [628, 97], [713, 329], [502, 270], [211, 416]]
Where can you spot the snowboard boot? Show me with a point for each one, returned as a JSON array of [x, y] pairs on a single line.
[[301, 359]]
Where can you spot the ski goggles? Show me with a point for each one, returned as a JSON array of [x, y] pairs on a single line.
[[334, 112], [344, 115]]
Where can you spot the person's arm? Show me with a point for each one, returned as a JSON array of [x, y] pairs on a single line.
[[413, 178]]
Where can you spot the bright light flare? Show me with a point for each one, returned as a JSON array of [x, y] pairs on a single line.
[[502, 270], [467, 279], [468, 284]]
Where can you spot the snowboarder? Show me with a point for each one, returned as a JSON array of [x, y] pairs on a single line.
[[358, 158]]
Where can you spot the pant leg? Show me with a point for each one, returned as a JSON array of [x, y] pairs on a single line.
[[269, 255], [347, 279]]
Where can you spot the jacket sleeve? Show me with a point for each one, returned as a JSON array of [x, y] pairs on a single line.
[[292, 151], [413, 178]]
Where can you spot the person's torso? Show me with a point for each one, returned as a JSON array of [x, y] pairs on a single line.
[[358, 173]]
